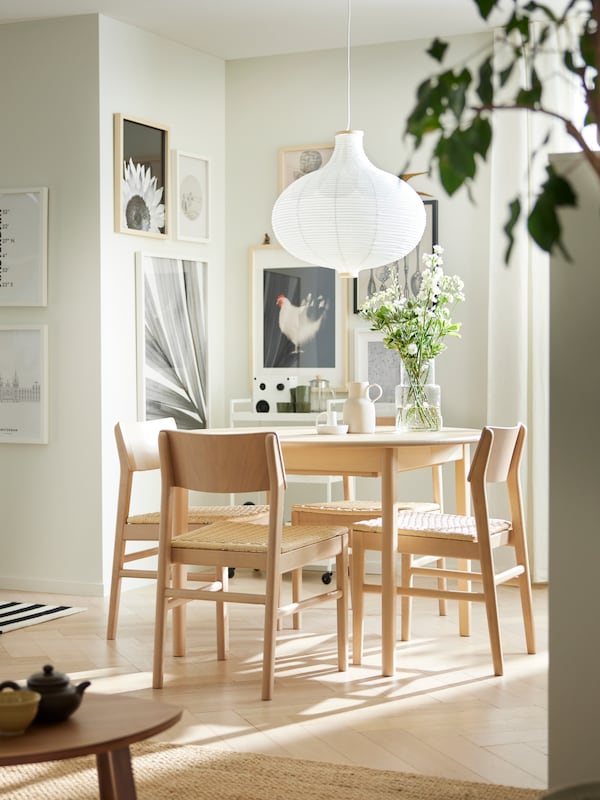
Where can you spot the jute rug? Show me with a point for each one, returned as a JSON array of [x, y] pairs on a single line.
[[192, 772], [15, 615]]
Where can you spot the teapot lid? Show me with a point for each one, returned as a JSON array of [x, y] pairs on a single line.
[[48, 679]]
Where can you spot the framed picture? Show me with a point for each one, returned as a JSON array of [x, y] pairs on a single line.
[[24, 384], [192, 197], [298, 318], [294, 162], [141, 177], [172, 340], [407, 269], [23, 247], [375, 363]]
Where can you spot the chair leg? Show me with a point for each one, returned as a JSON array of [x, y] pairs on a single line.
[[222, 610], [438, 496], [525, 592], [296, 597], [442, 586], [272, 590], [491, 610], [464, 607], [160, 627], [527, 607], [406, 600], [115, 588], [341, 577], [357, 579], [179, 613]]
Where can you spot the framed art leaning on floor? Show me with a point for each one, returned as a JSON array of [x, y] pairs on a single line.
[[171, 340]]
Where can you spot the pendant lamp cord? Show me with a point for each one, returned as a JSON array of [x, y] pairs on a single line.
[[348, 65]]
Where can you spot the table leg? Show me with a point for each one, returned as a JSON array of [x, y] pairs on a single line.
[[463, 506], [389, 512], [115, 776]]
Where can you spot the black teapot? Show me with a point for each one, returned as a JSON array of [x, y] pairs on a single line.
[[59, 697]]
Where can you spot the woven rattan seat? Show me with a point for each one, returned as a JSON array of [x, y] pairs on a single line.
[[436, 526], [204, 515], [337, 508], [249, 538]]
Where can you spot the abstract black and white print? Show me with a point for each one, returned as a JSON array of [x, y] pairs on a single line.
[[172, 347]]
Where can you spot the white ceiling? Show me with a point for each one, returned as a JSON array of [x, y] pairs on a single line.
[[232, 29]]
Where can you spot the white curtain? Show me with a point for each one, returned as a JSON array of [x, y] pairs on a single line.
[[518, 301]]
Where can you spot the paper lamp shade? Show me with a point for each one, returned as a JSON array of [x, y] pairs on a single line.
[[349, 215]]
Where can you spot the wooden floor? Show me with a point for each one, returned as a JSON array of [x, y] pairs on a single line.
[[444, 713]]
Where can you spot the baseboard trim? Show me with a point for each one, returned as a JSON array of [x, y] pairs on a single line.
[[51, 587]]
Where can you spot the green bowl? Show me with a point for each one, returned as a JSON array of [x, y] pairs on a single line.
[[18, 708]]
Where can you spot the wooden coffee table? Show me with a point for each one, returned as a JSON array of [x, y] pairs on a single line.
[[104, 725]]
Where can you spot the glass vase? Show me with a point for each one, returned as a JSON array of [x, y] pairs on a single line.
[[418, 397]]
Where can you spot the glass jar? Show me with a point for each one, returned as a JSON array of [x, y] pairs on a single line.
[[320, 393]]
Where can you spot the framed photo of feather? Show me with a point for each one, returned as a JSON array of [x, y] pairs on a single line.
[[172, 340], [298, 316]]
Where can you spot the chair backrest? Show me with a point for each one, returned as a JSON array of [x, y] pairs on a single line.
[[137, 443], [227, 463], [497, 459]]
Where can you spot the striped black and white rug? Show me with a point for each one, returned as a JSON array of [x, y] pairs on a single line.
[[15, 615]]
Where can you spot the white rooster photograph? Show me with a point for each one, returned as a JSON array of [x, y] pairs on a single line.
[[299, 317]]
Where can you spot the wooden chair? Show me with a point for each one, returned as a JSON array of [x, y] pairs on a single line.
[[350, 511], [496, 460], [236, 462], [137, 446]]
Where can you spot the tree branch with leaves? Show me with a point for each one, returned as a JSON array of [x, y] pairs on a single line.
[[455, 105]]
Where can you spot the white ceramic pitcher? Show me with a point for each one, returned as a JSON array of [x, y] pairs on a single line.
[[359, 408]]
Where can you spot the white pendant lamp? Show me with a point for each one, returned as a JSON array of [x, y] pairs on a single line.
[[349, 214]]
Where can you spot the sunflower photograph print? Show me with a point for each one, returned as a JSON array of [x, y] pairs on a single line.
[[141, 180], [142, 209]]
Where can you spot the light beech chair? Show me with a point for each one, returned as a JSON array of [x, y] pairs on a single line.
[[466, 538], [137, 446], [349, 511], [236, 462]]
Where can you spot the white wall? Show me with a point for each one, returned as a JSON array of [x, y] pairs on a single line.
[[63, 81], [50, 494]]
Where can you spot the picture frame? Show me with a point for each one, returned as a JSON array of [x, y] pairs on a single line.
[[294, 162], [24, 384], [24, 247], [172, 343], [322, 295], [375, 363], [406, 269], [192, 197], [141, 167]]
